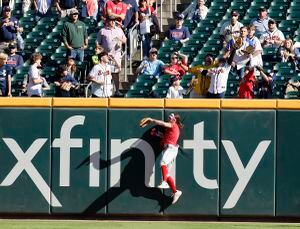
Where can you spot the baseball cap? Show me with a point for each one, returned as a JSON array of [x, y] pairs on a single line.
[[179, 16], [111, 17], [234, 13], [153, 50], [262, 8], [74, 11], [271, 21], [6, 8], [12, 46]]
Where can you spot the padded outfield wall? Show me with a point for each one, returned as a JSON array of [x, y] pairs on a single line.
[[89, 157]]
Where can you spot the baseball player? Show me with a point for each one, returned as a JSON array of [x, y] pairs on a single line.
[[169, 139]]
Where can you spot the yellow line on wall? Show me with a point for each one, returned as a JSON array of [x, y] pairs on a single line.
[[25, 102], [193, 103], [288, 104], [80, 102], [135, 103], [248, 104]]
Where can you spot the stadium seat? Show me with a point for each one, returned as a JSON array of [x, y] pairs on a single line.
[[137, 93]]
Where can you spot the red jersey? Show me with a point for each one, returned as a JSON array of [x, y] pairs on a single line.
[[176, 68], [119, 8], [171, 135], [246, 86]]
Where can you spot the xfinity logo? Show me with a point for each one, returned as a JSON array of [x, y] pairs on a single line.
[[65, 143]]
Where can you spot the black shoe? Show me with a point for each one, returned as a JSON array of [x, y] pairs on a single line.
[[118, 94]]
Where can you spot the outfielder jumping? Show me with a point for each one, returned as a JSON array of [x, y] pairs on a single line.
[[169, 141]]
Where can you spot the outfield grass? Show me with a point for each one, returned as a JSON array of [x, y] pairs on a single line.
[[62, 224]]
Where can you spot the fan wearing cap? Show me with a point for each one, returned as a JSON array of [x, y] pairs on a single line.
[[151, 66], [178, 66], [64, 7], [196, 11], [231, 29], [111, 38], [175, 91], [101, 78], [5, 76], [273, 37], [261, 22], [200, 83], [74, 35], [14, 60], [178, 32], [10, 29], [64, 82], [169, 141]]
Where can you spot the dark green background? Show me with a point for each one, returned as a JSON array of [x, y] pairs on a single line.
[[246, 129], [25, 126], [79, 197]]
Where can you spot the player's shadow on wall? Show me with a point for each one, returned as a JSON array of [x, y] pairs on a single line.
[[132, 178]]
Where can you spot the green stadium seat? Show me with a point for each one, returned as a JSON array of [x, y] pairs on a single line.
[[137, 93], [160, 92]]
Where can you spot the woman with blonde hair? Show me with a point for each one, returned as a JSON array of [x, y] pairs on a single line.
[[287, 52], [5, 76]]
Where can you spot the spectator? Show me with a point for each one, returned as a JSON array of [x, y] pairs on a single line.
[[42, 8], [26, 6], [64, 7], [89, 9], [178, 32], [219, 77], [175, 91], [10, 29], [101, 78], [111, 38], [273, 37], [71, 67], [132, 15], [116, 9], [95, 59], [5, 76], [101, 9], [35, 80], [267, 84], [296, 48], [241, 57], [14, 60], [261, 22], [177, 67], [196, 12], [256, 56], [247, 83], [74, 36], [64, 82], [200, 83], [231, 29], [10, 3], [151, 66], [148, 11], [287, 52]]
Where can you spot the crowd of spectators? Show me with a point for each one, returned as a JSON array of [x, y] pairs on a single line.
[[242, 44]]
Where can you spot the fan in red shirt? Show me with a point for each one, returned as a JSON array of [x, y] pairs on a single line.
[[169, 140], [116, 9], [177, 67], [247, 83]]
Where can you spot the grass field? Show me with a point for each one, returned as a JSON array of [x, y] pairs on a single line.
[[63, 224]]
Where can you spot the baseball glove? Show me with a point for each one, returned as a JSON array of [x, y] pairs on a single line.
[[249, 50], [66, 86], [144, 122], [238, 42]]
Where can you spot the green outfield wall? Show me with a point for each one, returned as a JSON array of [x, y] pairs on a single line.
[[89, 156]]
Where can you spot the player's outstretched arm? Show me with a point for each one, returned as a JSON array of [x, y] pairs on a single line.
[[161, 123]]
